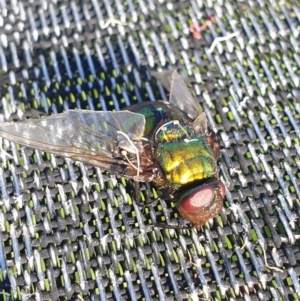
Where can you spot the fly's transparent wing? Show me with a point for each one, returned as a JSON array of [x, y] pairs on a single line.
[[164, 77], [181, 97], [87, 136]]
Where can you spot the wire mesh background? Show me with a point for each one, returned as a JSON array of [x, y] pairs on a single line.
[[71, 231]]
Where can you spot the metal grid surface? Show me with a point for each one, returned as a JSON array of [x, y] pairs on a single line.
[[70, 231]]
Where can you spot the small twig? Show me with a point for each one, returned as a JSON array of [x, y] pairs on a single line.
[[265, 256], [196, 30], [222, 39], [80, 297], [4, 293], [191, 260], [266, 263], [243, 104], [108, 22], [244, 244]]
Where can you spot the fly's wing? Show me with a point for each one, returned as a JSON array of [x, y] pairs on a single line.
[[87, 136], [180, 95], [181, 98], [164, 77]]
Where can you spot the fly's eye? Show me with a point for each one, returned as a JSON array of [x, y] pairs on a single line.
[[201, 203], [198, 198]]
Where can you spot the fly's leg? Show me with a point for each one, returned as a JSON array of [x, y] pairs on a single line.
[[136, 192], [214, 144]]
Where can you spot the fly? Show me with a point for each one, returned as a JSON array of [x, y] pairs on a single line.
[[167, 143]]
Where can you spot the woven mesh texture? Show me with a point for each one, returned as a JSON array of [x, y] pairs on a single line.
[[69, 231]]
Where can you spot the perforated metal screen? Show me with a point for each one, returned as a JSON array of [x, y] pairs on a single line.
[[69, 231]]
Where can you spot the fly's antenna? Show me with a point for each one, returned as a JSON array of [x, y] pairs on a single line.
[[136, 153]]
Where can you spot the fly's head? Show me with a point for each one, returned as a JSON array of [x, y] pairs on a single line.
[[201, 202]]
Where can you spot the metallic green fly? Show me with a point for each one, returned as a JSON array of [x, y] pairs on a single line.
[[167, 143]]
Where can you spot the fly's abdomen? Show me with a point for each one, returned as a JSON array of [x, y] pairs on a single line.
[[186, 161]]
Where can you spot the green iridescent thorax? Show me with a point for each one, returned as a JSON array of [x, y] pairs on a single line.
[[155, 113], [184, 156]]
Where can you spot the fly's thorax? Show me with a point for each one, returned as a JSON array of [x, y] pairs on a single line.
[[184, 156], [155, 114]]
